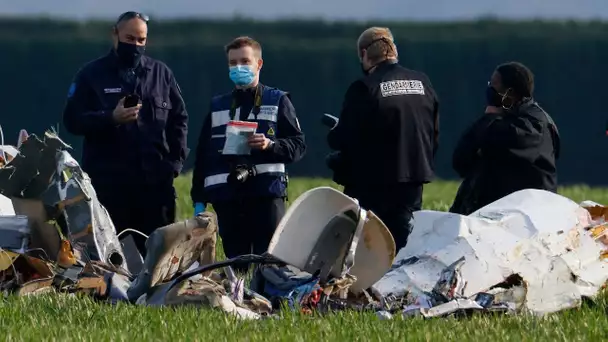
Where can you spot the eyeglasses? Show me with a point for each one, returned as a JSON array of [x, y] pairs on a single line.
[[132, 14]]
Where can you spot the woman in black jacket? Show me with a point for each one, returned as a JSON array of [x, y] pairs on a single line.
[[514, 146]]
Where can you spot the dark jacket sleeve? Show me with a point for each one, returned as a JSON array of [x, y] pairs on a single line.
[[435, 100], [197, 193], [436, 132], [496, 136], [513, 134], [177, 128], [356, 104], [465, 154], [290, 145], [78, 118], [468, 149]]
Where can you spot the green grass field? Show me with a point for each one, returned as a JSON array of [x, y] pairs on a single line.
[[65, 318]]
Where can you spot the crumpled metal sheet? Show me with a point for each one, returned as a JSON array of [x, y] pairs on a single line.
[[29, 174], [88, 222], [44, 171], [540, 236], [339, 286], [174, 248], [213, 290], [22, 274], [205, 292]]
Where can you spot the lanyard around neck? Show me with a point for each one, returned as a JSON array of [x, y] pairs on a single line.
[[257, 103]]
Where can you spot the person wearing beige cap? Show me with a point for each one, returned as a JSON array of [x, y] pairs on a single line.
[[387, 134]]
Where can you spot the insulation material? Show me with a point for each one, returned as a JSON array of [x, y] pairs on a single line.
[[540, 236], [6, 206]]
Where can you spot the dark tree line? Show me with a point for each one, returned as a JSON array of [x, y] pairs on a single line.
[[316, 61]]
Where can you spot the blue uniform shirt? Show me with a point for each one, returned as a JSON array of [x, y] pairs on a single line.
[[277, 120], [150, 150]]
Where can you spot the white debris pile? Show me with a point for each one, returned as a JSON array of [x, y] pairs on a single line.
[[6, 206], [532, 251]]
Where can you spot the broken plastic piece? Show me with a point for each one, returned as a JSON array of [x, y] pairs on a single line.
[[309, 242], [14, 233]]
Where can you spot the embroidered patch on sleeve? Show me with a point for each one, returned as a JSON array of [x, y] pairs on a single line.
[[71, 90]]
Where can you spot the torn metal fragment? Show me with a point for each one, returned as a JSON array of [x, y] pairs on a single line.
[[174, 248]]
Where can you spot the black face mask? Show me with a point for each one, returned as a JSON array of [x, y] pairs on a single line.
[[493, 98], [129, 54]]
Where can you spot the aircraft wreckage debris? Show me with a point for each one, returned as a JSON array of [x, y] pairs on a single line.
[[532, 251]]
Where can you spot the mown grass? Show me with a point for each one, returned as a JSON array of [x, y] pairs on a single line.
[[59, 317]]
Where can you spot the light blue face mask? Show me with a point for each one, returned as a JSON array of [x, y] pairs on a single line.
[[242, 75]]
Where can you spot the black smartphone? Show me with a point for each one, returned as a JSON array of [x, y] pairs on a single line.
[[131, 101]]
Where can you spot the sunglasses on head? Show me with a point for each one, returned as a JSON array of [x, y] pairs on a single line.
[[132, 14]]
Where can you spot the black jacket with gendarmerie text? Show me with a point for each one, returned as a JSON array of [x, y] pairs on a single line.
[[388, 131]]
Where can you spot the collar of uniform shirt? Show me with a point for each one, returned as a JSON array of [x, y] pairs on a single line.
[[387, 62], [244, 95], [140, 69]]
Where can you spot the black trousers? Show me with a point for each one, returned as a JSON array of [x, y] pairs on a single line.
[[143, 208], [394, 205], [246, 225]]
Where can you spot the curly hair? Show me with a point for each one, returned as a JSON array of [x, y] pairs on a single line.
[[518, 77]]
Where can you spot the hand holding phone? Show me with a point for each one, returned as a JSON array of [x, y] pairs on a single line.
[[131, 101], [127, 112]]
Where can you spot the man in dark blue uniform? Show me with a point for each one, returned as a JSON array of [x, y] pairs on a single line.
[[248, 208], [129, 109]]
